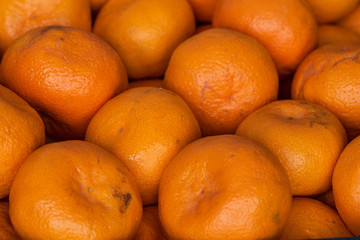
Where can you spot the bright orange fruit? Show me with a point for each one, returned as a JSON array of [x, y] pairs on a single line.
[[224, 187], [74, 190], [223, 75], [66, 74], [145, 127]]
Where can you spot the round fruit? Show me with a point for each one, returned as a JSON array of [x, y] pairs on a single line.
[[74, 190], [223, 75], [306, 138], [145, 32], [145, 127], [66, 74], [224, 187]]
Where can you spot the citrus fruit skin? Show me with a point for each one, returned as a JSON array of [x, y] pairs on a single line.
[[21, 132], [311, 219], [351, 20], [20, 16], [328, 34], [345, 186], [74, 190], [150, 227], [6, 229], [145, 32], [287, 28], [66, 74], [329, 76], [223, 75], [305, 137], [145, 127], [331, 11], [224, 187]]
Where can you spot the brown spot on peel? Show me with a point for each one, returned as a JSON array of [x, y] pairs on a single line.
[[126, 198]]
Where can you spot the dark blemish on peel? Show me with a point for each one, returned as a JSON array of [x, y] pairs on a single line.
[[147, 90], [119, 170], [202, 191], [230, 99], [120, 129], [62, 39], [290, 118], [232, 155], [116, 194], [126, 198], [317, 119], [30, 45], [276, 218]]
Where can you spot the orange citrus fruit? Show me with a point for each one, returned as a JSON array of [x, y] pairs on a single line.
[[311, 219], [329, 76], [19, 16], [287, 28], [346, 188], [74, 190], [145, 32], [145, 127], [306, 138], [224, 187], [21, 132], [223, 75], [66, 74]]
